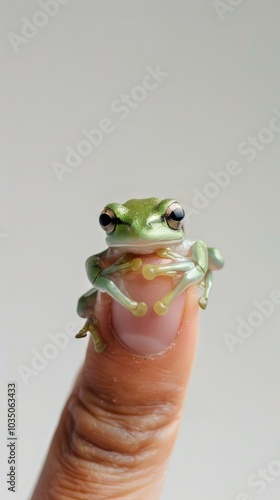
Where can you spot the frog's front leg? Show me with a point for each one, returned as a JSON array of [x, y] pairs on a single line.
[[100, 278], [194, 271], [93, 268], [123, 265], [104, 284]]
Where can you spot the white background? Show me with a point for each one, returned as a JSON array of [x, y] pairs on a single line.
[[221, 88]]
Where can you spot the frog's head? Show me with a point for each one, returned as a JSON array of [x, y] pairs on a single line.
[[143, 226]]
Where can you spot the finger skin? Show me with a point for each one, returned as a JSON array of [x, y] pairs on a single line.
[[119, 425]]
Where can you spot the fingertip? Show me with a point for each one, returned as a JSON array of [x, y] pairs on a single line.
[[125, 376]]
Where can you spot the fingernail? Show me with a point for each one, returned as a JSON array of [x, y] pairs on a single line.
[[152, 333]]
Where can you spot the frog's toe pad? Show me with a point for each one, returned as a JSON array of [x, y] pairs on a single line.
[[81, 334], [203, 302], [160, 308], [161, 252], [140, 310], [136, 264], [100, 346], [149, 272]]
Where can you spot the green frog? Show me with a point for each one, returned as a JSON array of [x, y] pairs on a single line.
[[141, 227]]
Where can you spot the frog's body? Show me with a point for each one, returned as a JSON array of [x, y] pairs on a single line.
[[141, 227]]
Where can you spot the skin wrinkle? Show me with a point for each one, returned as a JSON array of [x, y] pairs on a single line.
[[107, 432], [159, 413], [140, 476], [88, 485], [79, 485], [70, 453], [119, 440]]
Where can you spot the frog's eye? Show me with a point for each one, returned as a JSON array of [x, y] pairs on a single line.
[[174, 215], [107, 220]]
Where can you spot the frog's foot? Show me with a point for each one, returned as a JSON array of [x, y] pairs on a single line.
[[166, 253], [161, 308], [99, 344], [207, 283], [136, 264], [123, 266], [140, 309], [162, 252], [150, 272], [91, 326], [84, 331], [203, 301]]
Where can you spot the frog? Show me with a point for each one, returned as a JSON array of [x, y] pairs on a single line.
[[135, 229]]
